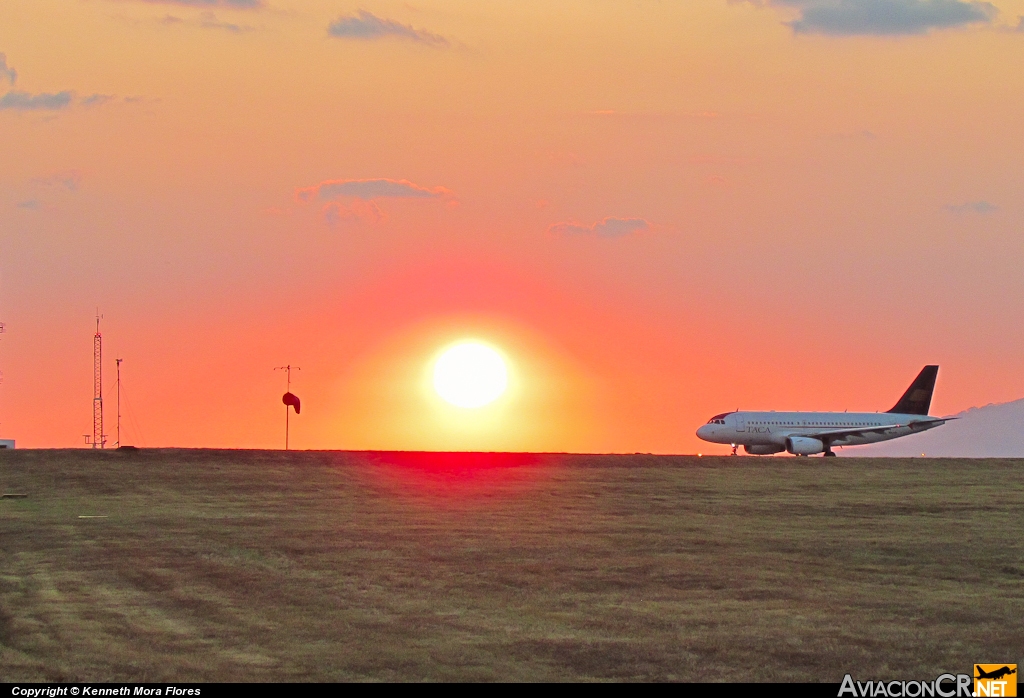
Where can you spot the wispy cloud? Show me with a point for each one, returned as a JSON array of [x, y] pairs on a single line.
[[69, 180], [367, 189], [228, 4], [19, 100], [884, 17], [96, 100], [43, 101], [862, 135], [716, 159], [979, 207], [367, 26], [336, 213], [208, 20], [700, 114], [6, 72], [609, 227], [47, 192]]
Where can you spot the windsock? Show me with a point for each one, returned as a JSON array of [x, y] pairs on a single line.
[[291, 399]]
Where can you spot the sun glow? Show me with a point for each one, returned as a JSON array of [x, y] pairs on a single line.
[[470, 374]]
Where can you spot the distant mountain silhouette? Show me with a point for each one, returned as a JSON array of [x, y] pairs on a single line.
[[992, 431]]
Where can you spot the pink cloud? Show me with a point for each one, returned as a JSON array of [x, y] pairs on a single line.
[[368, 190], [336, 213], [609, 227]]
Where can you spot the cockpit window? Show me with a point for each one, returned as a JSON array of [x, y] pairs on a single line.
[[719, 418]]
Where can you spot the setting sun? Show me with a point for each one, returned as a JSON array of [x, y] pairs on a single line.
[[470, 375]]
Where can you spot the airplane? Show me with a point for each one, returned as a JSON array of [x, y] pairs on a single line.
[[809, 433], [996, 674]]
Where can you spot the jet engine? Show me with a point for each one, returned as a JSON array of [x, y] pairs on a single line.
[[804, 446], [763, 450]]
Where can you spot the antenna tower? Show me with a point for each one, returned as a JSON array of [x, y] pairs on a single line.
[[99, 439]]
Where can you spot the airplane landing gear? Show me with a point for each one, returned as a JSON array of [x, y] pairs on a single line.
[[734, 449], [829, 454]]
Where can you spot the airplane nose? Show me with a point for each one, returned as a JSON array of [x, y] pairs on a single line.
[[704, 432]]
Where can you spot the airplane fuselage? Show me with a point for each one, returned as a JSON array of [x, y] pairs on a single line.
[[774, 431], [807, 433]]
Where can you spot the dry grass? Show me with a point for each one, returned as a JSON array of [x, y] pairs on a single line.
[[249, 565]]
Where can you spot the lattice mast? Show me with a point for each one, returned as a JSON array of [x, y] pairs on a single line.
[[99, 439]]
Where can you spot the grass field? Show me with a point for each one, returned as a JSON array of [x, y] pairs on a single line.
[[324, 566]]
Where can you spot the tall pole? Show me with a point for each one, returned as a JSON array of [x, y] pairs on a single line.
[[118, 361], [288, 373], [98, 438], [2, 330]]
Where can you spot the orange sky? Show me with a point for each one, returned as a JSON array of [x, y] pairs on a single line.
[[658, 210]]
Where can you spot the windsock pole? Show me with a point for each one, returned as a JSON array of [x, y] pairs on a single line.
[[288, 373]]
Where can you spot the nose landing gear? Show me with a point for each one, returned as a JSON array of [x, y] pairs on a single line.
[[734, 449]]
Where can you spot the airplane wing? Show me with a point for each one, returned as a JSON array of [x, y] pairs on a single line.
[[833, 435]]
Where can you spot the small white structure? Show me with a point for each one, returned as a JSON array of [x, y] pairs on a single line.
[[6, 443]]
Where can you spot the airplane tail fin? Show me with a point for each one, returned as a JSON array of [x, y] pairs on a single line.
[[918, 398]]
